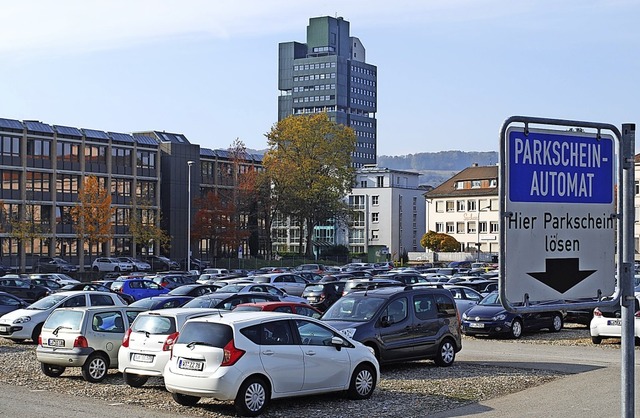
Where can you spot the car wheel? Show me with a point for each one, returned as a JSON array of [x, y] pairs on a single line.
[[363, 382], [516, 328], [135, 380], [446, 353], [596, 340], [51, 370], [185, 400], [116, 269], [556, 323], [94, 370], [252, 398], [95, 268], [36, 333]]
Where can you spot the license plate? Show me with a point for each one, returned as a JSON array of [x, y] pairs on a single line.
[[616, 322], [4, 329], [190, 365], [312, 299], [476, 325], [142, 358], [55, 342]]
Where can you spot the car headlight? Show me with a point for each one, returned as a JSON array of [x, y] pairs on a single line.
[[464, 315], [500, 317], [22, 320], [349, 332]]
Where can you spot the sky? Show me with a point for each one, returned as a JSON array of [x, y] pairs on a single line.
[[449, 71]]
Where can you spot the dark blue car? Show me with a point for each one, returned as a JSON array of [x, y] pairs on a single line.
[[161, 302], [490, 318]]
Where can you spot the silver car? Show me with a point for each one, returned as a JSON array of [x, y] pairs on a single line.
[[86, 337]]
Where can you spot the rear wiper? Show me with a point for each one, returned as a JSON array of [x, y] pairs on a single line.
[[194, 343], [55, 331]]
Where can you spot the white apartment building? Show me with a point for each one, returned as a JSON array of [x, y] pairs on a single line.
[[467, 207], [388, 214]]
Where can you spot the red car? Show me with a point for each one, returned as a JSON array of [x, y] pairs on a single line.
[[289, 307]]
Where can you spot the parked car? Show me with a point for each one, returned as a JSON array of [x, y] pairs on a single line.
[[138, 288], [61, 278], [402, 277], [289, 282], [98, 288], [160, 263], [323, 295], [309, 276], [401, 323], [86, 337], [249, 357], [607, 322], [138, 265], [147, 344], [111, 264], [161, 302], [490, 318], [215, 271], [26, 323], [23, 288], [194, 290], [52, 285], [170, 281], [351, 285], [465, 297], [9, 302], [243, 287], [287, 307], [314, 268], [196, 264], [53, 265], [228, 301]]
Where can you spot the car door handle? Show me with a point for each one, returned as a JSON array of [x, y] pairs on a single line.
[[310, 353], [268, 352]]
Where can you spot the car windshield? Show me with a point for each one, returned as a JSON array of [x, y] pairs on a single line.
[[47, 302], [491, 299], [353, 309], [202, 303], [232, 288]]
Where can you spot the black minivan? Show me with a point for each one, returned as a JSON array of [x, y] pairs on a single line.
[[401, 323]]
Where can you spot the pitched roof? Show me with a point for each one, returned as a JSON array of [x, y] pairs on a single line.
[[448, 188]]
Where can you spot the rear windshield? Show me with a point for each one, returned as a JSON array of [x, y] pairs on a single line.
[[247, 308], [64, 318], [154, 324], [202, 303], [206, 333], [314, 288]]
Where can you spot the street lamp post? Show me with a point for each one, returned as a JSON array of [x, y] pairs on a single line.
[[478, 243], [188, 265]]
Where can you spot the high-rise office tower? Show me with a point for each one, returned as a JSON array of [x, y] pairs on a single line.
[[329, 74]]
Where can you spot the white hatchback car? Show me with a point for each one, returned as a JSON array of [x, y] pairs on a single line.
[[147, 344], [607, 322], [26, 323], [253, 357], [111, 264]]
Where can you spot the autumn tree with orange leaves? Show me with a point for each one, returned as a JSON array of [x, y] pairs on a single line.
[[215, 221], [93, 215]]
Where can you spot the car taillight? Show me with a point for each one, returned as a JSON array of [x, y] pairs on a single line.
[[39, 339], [637, 314], [81, 342], [170, 341], [125, 339], [231, 354], [596, 312]]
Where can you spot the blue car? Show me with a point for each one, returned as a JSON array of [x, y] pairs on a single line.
[[138, 288], [490, 318]]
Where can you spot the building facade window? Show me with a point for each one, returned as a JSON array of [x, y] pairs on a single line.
[[451, 206], [95, 154], [450, 228], [38, 149], [471, 205], [10, 146], [10, 179], [494, 225], [439, 206], [460, 205], [67, 183], [146, 160], [121, 157], [375, 234], [68, 152], [37, 181], [375, 200], [375, 217], [439, 227]]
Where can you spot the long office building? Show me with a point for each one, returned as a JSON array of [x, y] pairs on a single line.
[[43, 166], [329, 73]]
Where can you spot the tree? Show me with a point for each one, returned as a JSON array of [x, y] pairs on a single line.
[[309, 165], [214, 221], [145, 228], [436, 241], [93, 215]]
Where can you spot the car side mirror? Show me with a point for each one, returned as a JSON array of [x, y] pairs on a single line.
[[337, 342]]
